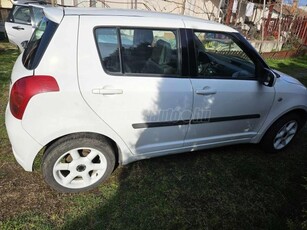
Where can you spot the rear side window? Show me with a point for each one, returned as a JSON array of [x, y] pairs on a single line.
[[138, 50], [38, 43]]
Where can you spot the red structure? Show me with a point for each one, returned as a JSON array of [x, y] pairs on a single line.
[[298, 29]]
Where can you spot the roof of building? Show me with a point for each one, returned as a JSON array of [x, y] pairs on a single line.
[[289, 10]]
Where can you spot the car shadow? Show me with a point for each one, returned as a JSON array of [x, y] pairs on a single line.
[[224, 188]]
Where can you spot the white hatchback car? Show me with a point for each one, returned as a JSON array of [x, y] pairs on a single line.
[[99, 87], [22, 20]]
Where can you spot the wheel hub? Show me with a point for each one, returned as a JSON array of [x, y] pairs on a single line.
[[285, 135], [81, 168]]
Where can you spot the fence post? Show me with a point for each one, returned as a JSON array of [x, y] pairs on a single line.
[[304, 35], [268, 19]]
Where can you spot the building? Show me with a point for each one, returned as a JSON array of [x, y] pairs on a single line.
[[5, 4]]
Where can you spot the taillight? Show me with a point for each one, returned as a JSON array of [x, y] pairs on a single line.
[[25, 88]]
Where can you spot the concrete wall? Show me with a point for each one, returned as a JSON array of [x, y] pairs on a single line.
[[266, 46], [198, 8]]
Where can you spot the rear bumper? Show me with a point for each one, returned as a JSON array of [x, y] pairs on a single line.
[[24, 147]]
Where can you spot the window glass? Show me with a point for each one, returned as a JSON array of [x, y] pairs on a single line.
[[147, 51], [218, 56], [21, 14], [108, 45], [38, 43], [38, 15]]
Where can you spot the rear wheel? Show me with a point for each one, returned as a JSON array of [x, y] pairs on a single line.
[[77, 164], [281, 133]]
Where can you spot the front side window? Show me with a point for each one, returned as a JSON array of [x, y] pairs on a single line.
[[138, 51], [219, 56]]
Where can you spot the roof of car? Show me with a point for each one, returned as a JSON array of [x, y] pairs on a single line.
[[56, 14]]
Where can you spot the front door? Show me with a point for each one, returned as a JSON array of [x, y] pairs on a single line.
[[230, 105]]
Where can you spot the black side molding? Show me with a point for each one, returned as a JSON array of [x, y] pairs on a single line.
[[192, 122]]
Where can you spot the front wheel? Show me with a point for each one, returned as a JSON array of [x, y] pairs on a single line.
[[77, 164], [281, 133]]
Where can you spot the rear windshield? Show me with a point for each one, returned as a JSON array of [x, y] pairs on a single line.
[[38, 43]]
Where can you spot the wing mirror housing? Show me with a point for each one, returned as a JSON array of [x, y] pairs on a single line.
[[24, 44], [268, 77]]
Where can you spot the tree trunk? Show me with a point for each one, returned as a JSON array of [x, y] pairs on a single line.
[[183, 7], [290, 28]]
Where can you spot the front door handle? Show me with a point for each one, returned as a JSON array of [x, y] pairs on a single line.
[[206, 91], [104, 91], [18, 28]]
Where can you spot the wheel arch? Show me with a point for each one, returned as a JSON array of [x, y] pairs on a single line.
[[98, 136], [300, 111]]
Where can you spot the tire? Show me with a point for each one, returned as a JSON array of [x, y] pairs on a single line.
[[281, 133], [76, 164]]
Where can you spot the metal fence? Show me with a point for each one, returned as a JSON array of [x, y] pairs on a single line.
[[289, 28]]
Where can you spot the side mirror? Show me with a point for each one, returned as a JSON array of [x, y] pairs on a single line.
[[24, 44], [268, 78]]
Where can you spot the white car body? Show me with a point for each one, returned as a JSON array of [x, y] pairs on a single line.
[[130, 110]]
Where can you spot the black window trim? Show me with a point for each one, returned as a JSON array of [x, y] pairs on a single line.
[[184, 54], [180, 39], [248, 49], [120, 50]]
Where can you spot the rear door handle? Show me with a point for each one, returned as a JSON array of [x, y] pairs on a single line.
[[206, 91], [18, 28], [107, 91]]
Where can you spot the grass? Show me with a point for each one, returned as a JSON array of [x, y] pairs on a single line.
[[236, 187], [296, 67]]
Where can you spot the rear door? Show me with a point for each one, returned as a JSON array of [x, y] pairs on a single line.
[[131, 77]]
